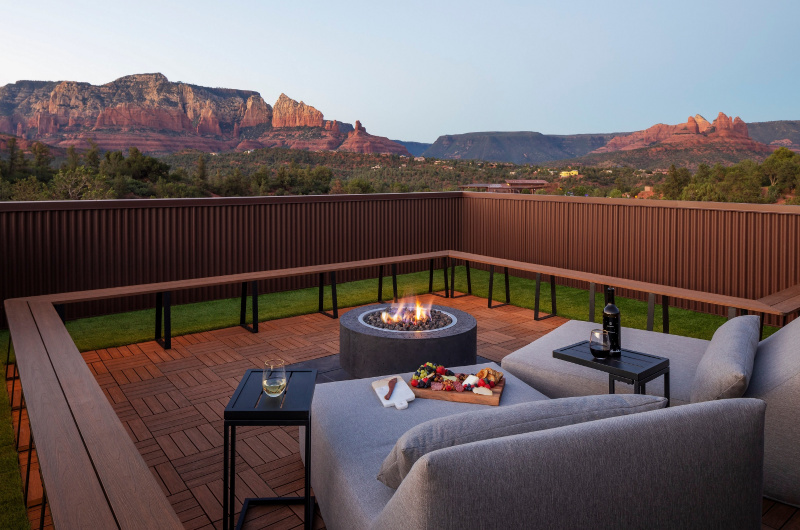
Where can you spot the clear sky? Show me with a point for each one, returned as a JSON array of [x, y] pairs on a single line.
[[416, 70]]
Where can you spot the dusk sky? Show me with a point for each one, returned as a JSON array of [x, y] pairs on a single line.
[[417, 70]]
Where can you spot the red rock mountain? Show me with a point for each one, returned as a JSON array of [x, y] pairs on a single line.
[[156, 115], [725, 131]]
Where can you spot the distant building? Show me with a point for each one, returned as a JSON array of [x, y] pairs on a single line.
[[419, 159], [646, 194], [573, 173], [510, 186]]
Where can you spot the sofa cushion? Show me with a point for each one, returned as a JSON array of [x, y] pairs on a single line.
[[486, 424], [776, 380], [351, 434], [726, 367], [555, 378]]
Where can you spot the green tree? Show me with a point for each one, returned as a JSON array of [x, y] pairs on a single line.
[[41, 160], [73, 159], [92, 156], [676, 180], [201, 169], [80, 184], [29, 189]]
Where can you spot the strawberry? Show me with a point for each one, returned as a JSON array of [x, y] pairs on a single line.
[[491, 384], [440, 370], [414, 382]]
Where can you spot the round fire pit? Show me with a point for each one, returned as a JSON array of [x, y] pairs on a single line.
[[369, 351]]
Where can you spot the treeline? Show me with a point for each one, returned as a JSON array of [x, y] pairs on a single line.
[[91, 174], [776, 179], [113, 175]]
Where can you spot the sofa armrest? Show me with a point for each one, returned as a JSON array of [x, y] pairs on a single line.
[[697, 465]]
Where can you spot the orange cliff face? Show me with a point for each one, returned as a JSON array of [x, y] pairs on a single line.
[[156, 115], [359, 141], [289, 113], [696, 132]]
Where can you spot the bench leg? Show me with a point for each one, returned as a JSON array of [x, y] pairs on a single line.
[[28, 471], [44, 502], [491, 284], [163, 304], [394, 281], [665, 313], [243, 310], [333, 295], [335, 313], [453, 280], [760, 326], [491, 287], [19, 416], [446, 286], [651, 309], [592, 295], [225, 438], [380, 284], [537, 297], [731, 313]]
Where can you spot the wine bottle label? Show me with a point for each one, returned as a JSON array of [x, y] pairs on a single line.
[[611, 325]]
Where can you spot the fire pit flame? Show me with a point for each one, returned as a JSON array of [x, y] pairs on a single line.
[[410, 315]]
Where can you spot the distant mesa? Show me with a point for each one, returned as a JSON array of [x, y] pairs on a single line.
[[150, 112]]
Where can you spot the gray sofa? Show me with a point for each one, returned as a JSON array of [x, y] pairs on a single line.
[[775, 379], [687, 467]]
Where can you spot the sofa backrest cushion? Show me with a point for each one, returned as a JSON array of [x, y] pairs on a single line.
[[727, 365], [495, 422]]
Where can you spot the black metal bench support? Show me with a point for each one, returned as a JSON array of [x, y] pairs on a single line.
[[552, 298], [380, 282], [163, 305], [651, 309], [491, 287], [335, 313], [592, 295], [453, 280], [243, 311], [446, 284]]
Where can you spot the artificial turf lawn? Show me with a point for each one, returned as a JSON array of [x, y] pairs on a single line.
[[137, 326]]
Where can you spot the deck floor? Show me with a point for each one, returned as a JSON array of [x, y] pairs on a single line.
[[171, 403]]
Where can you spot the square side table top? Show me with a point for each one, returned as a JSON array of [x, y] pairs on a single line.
[[250, 403], [630, 364]]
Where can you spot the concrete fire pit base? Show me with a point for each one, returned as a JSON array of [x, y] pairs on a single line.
[[365, 351]]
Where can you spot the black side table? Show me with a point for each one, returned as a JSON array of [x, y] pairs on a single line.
[[250, 406], [632, 367]]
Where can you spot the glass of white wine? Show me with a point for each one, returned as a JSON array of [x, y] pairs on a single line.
[[273, 378]]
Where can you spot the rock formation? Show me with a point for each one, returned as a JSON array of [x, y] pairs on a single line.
[[289, 113], [695, 132], [155, 115], [359, 141]]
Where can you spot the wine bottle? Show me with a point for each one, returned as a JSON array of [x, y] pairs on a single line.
[[611, 324]]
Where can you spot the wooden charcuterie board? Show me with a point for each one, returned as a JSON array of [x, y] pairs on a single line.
[[463, 397]]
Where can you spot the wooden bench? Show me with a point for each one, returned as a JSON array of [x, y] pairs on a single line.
[[163, 290], [785, 302], [96, 475]]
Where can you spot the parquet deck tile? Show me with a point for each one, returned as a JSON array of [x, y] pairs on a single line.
[[171, 403]]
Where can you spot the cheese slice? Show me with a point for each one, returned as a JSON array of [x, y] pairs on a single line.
[[482, 390], [471, 380]]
